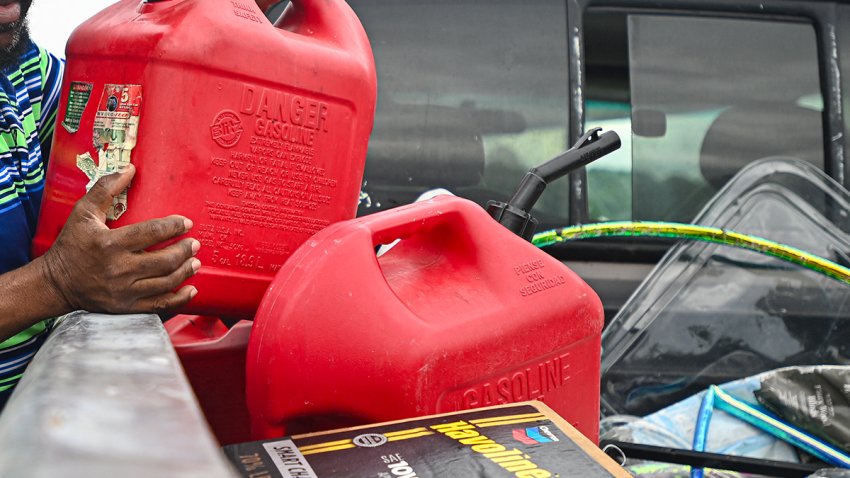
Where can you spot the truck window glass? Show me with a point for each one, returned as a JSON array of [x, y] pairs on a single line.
[[695, 99], [470, 96]]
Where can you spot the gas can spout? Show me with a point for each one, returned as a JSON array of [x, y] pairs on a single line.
[[516, 213]]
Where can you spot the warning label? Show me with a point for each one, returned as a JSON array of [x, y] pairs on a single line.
[[78, 99]]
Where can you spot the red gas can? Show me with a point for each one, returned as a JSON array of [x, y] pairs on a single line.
[[213, 357], [460, 314], [257, 133]]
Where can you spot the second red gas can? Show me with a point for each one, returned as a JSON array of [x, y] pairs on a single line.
[[256, 132], [460, 314]]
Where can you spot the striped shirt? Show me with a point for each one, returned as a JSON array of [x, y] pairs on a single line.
[[29, 98]]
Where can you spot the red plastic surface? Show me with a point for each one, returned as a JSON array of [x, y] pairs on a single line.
[[460, 314], [257, 133], [213, 357]]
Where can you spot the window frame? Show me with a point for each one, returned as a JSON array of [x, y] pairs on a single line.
[[553, 50], [824, 16], [821, 15]]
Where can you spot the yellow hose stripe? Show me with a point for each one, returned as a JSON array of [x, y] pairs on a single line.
[[694, 232]]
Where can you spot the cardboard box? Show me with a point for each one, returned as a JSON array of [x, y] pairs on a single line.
[[525, 440]]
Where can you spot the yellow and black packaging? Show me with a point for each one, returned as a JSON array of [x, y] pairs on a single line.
[[526, 440]]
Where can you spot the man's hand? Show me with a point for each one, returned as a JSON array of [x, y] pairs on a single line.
[[98, 269]]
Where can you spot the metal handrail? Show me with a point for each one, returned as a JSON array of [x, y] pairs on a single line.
[[106, 396]]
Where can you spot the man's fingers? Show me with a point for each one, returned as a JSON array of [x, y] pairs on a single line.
[[167, 301], [137, 237], [159, 285], [164, 261], [106, 188]]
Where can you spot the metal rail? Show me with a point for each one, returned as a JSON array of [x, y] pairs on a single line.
[[106, 396]]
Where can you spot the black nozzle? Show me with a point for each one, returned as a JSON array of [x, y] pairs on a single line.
[[516, 213], [520, 222]]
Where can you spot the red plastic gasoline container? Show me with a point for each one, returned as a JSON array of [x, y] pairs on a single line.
[[460, 314], [213, 357], [258, 133]]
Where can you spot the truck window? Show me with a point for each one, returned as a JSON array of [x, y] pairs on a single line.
[[471, 95], [694, 99]]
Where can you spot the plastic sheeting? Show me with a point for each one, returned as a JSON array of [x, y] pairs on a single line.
[[711, 314], [673, 427]]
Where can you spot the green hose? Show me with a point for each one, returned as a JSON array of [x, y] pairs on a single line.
[[699, 233]]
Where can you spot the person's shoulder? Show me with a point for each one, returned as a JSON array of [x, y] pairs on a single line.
[[43, 54], [50, 65], [33, 51]]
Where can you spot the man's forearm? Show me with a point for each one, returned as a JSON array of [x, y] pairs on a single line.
[[99, 269], [26, 298]]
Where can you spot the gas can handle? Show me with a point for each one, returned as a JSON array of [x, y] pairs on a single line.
[[405, 221]]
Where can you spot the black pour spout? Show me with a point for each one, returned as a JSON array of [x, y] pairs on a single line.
[[516, 213]]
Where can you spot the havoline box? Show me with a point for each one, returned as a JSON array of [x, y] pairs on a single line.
[[525, 440]]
